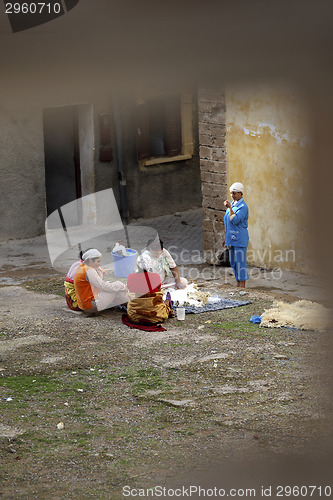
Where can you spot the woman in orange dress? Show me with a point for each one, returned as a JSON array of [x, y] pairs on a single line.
[[93, 294]]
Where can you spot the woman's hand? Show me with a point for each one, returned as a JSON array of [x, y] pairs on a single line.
[[180, 285], [175, 274], [227, 203]]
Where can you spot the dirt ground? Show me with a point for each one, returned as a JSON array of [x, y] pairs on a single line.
[[93, 409]]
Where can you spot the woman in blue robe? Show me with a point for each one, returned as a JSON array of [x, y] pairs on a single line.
[[236, 233]]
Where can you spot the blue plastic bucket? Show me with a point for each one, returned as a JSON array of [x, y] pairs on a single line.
[[124, 264]]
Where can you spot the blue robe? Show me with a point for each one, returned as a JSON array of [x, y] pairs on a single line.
[[236, 233], [237, 238]]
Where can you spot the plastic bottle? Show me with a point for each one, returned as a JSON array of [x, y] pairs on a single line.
[[119, 249]]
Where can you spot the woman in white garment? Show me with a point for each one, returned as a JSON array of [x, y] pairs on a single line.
[[163, 264], [93, 294]]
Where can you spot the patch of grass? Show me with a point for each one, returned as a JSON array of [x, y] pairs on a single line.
[[79, 412], [175, 344], [147, 379], [184, 432], [41, 389], [226, 325], [144, 379], [238, 329], [30, 384]]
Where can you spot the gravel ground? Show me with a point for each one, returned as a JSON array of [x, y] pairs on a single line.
[[89, 406]]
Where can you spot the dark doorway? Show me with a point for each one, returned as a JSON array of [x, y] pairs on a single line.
[[62, 157]]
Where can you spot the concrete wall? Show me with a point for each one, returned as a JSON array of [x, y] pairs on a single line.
[[22, 185], [158, 189], [105, 173], [269, 151], [22, 165], [87, 147], [155, 190]]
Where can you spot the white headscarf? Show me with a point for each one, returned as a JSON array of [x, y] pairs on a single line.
[[144, 262], [93, 253], [237, 186]]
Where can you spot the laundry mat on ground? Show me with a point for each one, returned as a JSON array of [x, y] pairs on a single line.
[[303, 314], [196, 301]]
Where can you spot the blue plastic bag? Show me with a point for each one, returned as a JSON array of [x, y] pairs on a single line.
[[255, 319]]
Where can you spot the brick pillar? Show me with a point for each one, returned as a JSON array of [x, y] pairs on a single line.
[[213, 168]]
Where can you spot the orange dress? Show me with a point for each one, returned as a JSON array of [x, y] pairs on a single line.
[[85, 292]]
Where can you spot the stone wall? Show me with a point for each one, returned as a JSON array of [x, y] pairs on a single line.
[[213, 168]]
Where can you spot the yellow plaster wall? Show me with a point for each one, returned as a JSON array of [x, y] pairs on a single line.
[[269, 151]]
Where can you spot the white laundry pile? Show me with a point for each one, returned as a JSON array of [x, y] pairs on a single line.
[[190, 296]]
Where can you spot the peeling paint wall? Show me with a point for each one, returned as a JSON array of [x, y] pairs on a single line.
[[269, 150]]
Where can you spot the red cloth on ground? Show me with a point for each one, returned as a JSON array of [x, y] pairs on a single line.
[[141, 326], [142, 283]]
